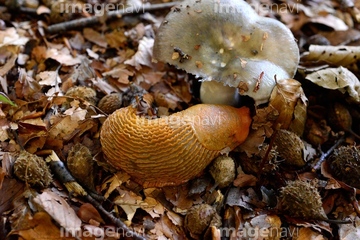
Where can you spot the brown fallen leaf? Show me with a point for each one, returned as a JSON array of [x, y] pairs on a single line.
[[337, 79], [244, 180], [143, 57], [95, 37], [59, 210], [40, 226], [333, 55], [289, 99]]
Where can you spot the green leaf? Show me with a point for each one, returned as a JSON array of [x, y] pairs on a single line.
[[5, 99]]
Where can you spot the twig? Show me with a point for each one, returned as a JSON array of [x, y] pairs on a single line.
[[317, 164], [63, 175], [83, 22], [265, 158]]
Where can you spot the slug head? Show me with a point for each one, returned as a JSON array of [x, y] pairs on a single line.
[[226, 41]]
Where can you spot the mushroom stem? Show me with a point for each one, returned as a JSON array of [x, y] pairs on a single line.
[[217, 93]]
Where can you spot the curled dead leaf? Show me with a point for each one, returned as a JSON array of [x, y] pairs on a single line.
[[337, 79], [333, 55], [289, 99]]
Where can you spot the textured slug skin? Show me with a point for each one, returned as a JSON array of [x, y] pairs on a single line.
[[172, 150]]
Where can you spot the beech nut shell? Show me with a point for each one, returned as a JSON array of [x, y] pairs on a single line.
[[172, 150]]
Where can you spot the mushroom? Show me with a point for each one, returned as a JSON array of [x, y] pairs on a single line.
[[226, 41]]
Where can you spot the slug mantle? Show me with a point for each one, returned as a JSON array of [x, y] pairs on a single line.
[[172, 150]]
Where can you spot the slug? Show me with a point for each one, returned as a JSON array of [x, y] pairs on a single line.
[[171, 150]]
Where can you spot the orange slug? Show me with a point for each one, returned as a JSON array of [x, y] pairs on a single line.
[[173, 149]]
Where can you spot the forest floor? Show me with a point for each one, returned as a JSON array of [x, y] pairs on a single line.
[[295, 177]]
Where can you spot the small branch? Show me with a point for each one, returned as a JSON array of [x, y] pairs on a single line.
[[83, 22], [64, 176], [317, 164]]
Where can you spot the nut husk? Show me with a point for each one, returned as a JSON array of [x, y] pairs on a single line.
[[222, 169], [290, 147], [300, 199], [85, 93], [345, 165], [199, 218], [81, 165], [32, 170], [110, 103]]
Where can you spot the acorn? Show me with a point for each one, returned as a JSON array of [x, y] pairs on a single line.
[[109, 103], [300, 199], [32, 170], [222, 169], [345, 165], [81, 165], [86, 93], [199, 218]]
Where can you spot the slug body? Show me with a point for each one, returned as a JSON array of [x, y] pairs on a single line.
[[174, 149]]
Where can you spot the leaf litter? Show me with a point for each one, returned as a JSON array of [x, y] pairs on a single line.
[[36, 114]]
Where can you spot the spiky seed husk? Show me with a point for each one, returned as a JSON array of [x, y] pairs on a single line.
[[110, 103], [345, 165], [290, 147], [300, 199], [200, 217], [85, 93], [222, 169], [32, 170], [81, 165]]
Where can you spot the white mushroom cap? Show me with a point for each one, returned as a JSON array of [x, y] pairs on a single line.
[[226, 41]]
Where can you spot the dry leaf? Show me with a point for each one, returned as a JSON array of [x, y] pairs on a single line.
[[10, 189], [165, 229], [289, 99], [143, 56], [88, 212], [337, 78], [331, 21], [95, 37], [129, 202], [40, 226], [116, 38], [63, 56], [118, 179], [9, 53], [244, 180], [308, 233], [59, 210], [242, 198], [153, 207], [333, 55], [120, 73], [48, 78], [350, 231], [27, 88], [268, 226], [10, 36]]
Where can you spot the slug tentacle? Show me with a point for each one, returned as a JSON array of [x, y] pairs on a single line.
[[173, 149]]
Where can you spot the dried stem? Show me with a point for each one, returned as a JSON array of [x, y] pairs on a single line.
[[317, 164], [83, 22], [73, 187]]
